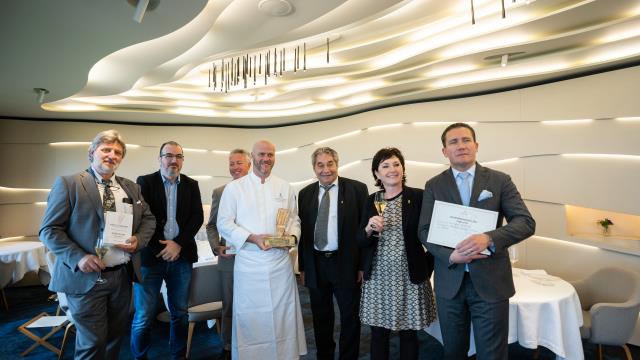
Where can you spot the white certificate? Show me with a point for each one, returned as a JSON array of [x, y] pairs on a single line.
[[118, 227], [452, 223]]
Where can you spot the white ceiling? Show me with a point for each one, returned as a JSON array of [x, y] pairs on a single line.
[[98, 64]]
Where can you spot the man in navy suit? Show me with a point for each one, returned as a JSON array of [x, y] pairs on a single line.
[[175, 201], [471, 287], [72, 226], [329, 263]]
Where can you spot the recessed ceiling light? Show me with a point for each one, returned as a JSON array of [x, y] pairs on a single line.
[[275, 7]]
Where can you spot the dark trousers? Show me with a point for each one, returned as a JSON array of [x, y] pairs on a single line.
[[490, 324], [348, 300], [101, 316], [380, 344], [177, 276]]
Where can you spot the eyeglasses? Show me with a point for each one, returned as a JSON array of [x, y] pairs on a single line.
[[172, 156]]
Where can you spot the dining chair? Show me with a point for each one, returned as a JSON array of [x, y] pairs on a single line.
[[205, 299], [6, 276], [62, 307], [610, 300]]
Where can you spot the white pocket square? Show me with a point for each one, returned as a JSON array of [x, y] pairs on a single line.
[[484, 195]]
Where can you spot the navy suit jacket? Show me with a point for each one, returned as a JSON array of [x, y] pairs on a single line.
[[491, 277], [188, 215]]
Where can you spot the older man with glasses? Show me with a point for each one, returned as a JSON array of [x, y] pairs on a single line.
[[175, 201]]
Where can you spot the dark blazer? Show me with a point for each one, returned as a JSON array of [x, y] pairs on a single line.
[[351, 197], [491, 277], [420, 262], [188, 215], [74, 219]]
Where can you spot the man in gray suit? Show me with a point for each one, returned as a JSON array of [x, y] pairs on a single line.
[[71, 227], [471, 287], [239, 165]]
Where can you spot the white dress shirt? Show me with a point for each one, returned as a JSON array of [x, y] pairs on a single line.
[[115, 256], [332, 224]]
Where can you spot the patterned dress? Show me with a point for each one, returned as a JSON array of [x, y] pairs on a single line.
[[389, 298]]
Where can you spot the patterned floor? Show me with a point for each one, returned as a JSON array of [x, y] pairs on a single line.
[[29, 301]]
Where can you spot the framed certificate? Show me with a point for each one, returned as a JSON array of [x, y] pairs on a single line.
[[452, 223], [118, 227]]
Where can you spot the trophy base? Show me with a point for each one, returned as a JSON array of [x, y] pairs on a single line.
[[280, 241]]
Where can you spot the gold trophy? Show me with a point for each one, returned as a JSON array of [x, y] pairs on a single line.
[[279, 239]]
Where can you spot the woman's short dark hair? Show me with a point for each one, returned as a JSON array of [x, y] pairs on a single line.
[[382, 155]]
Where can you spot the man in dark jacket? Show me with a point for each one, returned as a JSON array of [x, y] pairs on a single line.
[[175, 201], [329, 259]]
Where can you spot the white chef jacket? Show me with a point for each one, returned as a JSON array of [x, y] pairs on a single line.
[[267, 321]]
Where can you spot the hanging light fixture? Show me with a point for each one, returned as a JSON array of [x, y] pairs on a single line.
[[142, 7], [225, 74], [41, 92], [504, 11], [504, 60]]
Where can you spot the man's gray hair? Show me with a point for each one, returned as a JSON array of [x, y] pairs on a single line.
[[241, 152], [324, 150], [107, 137]]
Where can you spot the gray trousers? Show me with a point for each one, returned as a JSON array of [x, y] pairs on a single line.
[[101, 316], [226, 282], [490, 324]]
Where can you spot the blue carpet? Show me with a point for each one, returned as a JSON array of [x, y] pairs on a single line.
[[27, 302]]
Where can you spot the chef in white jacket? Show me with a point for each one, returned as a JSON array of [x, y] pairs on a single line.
[[267, 322]]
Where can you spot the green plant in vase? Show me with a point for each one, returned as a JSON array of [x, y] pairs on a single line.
[[605, 225]]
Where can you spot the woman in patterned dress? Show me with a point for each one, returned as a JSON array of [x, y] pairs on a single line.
[[396, 293]]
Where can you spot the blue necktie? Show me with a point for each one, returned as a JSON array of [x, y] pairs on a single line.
[[464, 186]]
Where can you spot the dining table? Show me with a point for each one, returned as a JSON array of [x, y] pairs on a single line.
[[25, 256], [545, 311]]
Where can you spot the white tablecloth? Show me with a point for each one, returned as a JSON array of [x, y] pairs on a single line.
[[28, 256], [545, 311]]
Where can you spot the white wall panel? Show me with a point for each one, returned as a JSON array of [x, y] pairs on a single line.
[[611, 94], [20, 219], [507, 127], [609, 184], [575, 261]]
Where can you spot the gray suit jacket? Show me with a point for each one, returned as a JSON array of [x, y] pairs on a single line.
[[491, 277], [73, 222], [212, 230]]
